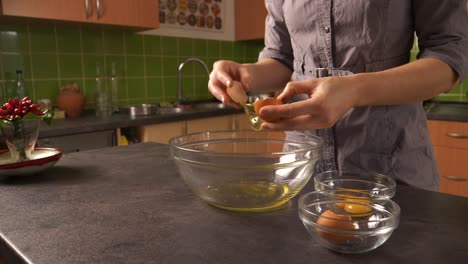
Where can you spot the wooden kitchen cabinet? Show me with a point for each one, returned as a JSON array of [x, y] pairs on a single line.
[[250, 19], [161, 133], [219, 123], [450, 141], [141, 13], [233, 20], [241, 122]]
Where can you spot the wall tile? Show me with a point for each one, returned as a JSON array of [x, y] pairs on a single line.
[[90, 62], [133, 43], [213, 49], [44, 66], [152, 45], [170, 66], [170, 89], [154, 88], [92, 39], [199, 48], [113, 41], [136, 88], [169, 46], [70, 66], [14, 38], [185, 47], [54, 53], [227, 50], [68, 38], [153, 66], [42, 36], [16, 61], [135, 66], [47, 89]]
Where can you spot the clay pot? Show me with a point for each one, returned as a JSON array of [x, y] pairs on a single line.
[[71, 100]]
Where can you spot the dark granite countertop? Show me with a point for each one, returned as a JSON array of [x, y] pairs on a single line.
[[88, 122], [128, 205], [446, 111]]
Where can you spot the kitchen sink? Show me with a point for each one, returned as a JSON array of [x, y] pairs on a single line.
[[191, 107]]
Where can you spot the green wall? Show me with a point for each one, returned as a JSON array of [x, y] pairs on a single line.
[[52, 54]]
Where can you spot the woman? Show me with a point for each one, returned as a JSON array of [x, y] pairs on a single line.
[[369, 111]]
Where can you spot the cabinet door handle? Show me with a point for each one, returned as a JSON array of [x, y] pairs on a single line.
[[455, 178], [98, 8], [88, 9], [455, 135]]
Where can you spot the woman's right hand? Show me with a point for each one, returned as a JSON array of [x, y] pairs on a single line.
[[223, 74]]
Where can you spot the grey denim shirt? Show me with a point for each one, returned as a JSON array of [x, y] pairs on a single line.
[[352, 36]]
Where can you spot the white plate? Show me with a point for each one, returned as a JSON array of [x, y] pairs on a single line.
[[43, 158]]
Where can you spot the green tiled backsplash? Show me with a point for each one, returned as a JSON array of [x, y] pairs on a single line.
[[52, 54]]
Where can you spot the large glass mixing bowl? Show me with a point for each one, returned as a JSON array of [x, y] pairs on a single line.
[[245, 171]]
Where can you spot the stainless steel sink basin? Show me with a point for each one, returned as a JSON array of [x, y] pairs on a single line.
[[192, 107], [153, 109]]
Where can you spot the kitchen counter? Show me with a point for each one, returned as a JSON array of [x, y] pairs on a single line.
[[128, 205], [446, 111], [88, 122]]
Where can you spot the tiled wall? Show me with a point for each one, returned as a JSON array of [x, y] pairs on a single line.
[[52, 54]]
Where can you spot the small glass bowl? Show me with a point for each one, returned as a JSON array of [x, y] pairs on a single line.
[[376, 186], [334, 228]]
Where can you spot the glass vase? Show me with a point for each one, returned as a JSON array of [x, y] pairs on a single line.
[[21, 137]]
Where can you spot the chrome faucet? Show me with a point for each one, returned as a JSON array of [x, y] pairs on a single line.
[[179, 76]]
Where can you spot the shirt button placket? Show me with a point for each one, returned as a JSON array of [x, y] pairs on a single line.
[[326, 29]]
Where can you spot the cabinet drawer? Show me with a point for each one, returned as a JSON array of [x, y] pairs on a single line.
[[449, 134], [80, 142], [453, 169], [454, 187], [453, 163]]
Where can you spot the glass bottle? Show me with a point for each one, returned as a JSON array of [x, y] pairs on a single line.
[[114, 89], [20, 89], [102, 96]]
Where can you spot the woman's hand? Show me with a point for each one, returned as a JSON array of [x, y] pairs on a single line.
[[330, 99], [223, 74]]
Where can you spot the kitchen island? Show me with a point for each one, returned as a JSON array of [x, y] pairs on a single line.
[[128, 205]]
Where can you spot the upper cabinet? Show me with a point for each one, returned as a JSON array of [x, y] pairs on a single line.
[[141, 13], [212, 19]]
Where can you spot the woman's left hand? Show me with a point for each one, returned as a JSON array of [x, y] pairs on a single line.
[[329, 100]]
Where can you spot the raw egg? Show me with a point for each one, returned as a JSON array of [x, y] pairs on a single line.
[[237, 93], [259, 103], [335, 221], [357, 210]]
